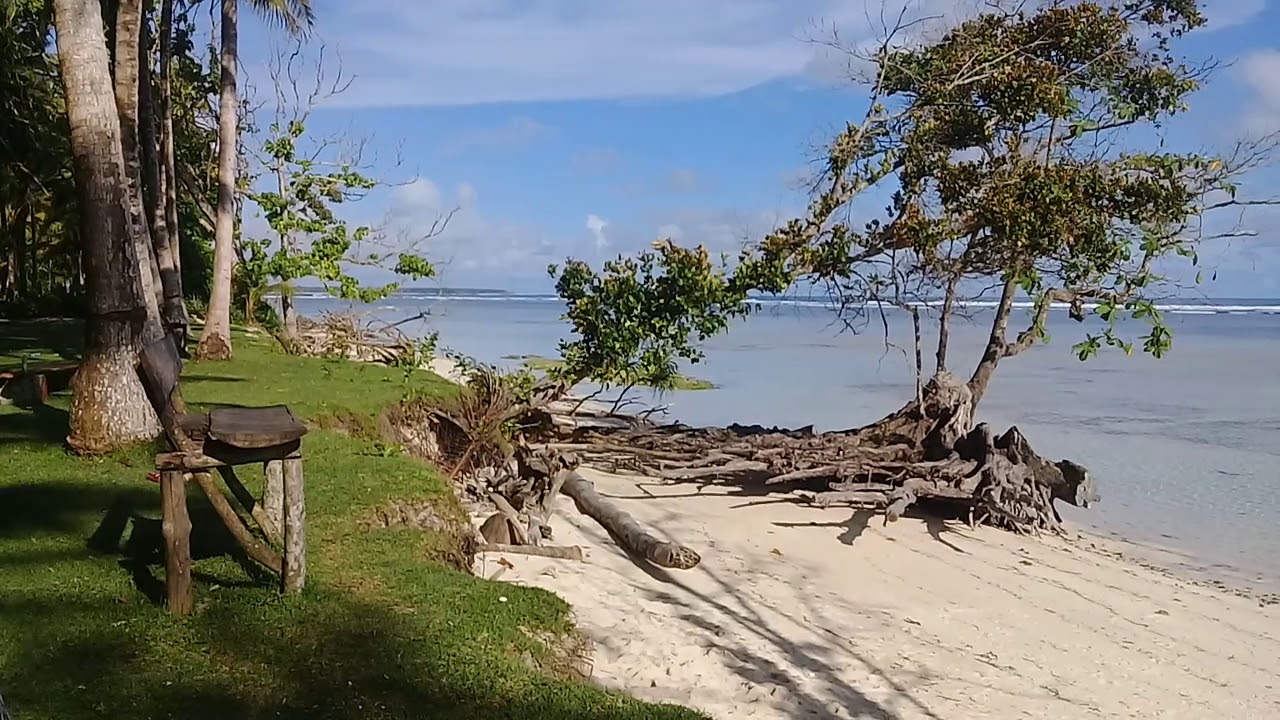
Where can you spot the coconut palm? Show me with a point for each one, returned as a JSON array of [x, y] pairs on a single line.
[[109, 408], [296, 17]]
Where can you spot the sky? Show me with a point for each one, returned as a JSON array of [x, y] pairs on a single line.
[[567, 128]]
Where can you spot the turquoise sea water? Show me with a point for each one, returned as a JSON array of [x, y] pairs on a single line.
[[1186, 448]]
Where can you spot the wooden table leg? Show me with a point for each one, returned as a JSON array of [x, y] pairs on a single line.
[[176, 528], [295, 528], [273, 499]]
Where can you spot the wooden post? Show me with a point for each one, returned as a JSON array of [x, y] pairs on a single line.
[[273, 498], [176, 528], [295, 528]]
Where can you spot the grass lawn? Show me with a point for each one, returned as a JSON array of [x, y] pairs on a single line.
[[384, 629]]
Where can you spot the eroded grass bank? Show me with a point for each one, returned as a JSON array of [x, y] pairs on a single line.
[[386, 629]]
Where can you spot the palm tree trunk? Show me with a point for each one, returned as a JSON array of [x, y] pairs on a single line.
[[172, 309], [169, 174], [215, 342], [128, 39], [109, 408]]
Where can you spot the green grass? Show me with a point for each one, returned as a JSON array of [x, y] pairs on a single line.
[[539, 363], [384, 630]]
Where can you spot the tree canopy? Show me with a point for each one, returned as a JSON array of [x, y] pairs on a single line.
[[1019, 150]]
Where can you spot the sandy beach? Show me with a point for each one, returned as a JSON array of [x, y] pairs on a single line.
[[799, 612]]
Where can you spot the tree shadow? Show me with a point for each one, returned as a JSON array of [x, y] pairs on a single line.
[[131, 531], [88, 651], [350, 660], [853, 527], [757, 669], [42, 424], [205, 378]]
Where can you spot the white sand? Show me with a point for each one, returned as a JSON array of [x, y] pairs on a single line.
[[797, 612], [447, 369]]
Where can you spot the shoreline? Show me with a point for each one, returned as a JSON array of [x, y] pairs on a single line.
[[1178, 562], [799, 611]]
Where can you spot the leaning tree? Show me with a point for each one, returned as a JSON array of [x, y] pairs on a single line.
[[109, 408], [1020, 153]]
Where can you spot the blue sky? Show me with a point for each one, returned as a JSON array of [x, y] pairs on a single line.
[[588, 129]]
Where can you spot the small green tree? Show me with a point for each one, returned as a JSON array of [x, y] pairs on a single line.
[[307, 180]]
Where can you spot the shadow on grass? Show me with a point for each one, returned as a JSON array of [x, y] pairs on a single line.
[[43, 424], [87, 644], [131, 530], [205, 378], [333, 658]]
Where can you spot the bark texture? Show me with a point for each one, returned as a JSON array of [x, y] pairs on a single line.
[[128, 39], [294, 577], [169, 174], [176, 528], [109, 408], [625, 530], [173, 310], [215, 341]]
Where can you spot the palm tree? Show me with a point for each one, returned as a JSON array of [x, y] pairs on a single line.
[[128, 40], [109, 408], [296, 16]]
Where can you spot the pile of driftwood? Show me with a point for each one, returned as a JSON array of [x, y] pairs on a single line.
[[510, 458], [348, 335], [929, 453], [514, 487]]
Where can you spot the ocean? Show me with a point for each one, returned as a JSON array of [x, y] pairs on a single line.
[[1186, 448]]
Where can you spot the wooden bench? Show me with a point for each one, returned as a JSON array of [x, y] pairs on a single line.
[[222, 439]]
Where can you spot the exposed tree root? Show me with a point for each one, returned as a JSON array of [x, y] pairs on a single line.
[[927, 451]]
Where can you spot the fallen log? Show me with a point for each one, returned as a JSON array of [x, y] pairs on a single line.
[[568, 552], [624, 529]]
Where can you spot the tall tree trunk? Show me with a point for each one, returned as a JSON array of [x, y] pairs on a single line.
[[169, 175], [288, 313], [109, 408], [172, 308], [215, 342], [20, 263], [128, 39], [944, 325], [997, 343]]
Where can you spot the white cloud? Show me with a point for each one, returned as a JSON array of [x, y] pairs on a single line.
[[459, 52], [596, 225], [454, 52], [671, 231], [517, 132], [684, 180], [1260, 73], [1223, 14], [472, 243], [594, 162]]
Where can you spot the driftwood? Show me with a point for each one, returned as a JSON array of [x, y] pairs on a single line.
[[927, 452], [345, 335], [569, 552], [625, 530]]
